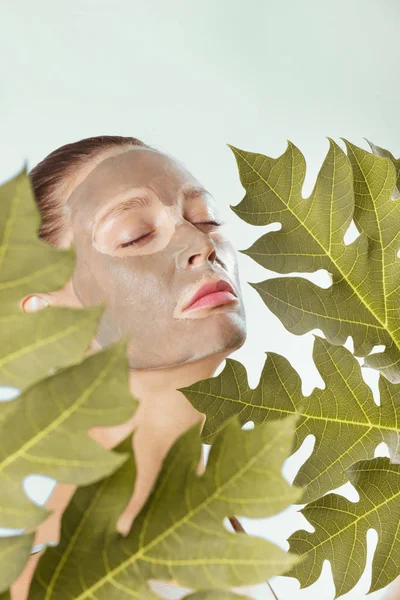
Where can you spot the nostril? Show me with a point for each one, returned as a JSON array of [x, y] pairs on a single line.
[[211, 257]]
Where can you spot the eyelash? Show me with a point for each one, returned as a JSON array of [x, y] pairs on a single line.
[[142, 237]]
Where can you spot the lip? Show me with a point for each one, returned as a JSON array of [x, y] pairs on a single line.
[[211, 293]]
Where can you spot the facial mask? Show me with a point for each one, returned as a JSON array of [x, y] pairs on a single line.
[[144, 195]]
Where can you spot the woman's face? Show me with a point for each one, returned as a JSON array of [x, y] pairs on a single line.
[[146, 236]]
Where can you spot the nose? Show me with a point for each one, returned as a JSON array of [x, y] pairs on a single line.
[[195, 247]]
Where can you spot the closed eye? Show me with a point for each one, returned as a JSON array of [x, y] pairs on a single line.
[[133, 242], [209, 224]]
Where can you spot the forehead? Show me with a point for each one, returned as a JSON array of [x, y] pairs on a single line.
[[138, 167]]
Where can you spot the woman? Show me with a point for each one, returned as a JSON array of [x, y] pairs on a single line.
[[150, 246]]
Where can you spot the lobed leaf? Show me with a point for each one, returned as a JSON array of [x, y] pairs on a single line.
[[341, 527], [43, 342], [32, 344], [178, 535], [343, 417], [364, 297], [378, 151], [27, 264], [46, 433]]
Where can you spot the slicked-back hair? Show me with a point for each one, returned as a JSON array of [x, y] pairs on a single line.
[[53, 178]]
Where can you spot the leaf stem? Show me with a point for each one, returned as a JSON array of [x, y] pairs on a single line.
[[238, 527]]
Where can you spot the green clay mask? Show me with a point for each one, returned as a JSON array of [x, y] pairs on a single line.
[[146, 236]]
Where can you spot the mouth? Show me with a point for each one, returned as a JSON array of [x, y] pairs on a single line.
[[210, 293]]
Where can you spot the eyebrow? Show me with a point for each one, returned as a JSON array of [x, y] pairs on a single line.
[[194, 192], [187, 193], [121, 207]]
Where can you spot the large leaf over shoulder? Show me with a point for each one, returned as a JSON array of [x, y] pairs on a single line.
[[343, 417], [33, 344], [91, 515], [179, 533], [46, 433], [341, 527], [364, 298]]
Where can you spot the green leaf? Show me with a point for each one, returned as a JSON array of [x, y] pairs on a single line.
[[46, 433], [343, 417], [179, 533], [33, 344], [88, 520], [365, 294], [378, 151], [43, 341], [14, 554], [341, 527], [27, 264]]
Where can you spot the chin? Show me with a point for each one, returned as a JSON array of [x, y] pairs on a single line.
[[225, 335], [220, 337]]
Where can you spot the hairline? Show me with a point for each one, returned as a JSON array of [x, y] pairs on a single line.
[[73, 182]]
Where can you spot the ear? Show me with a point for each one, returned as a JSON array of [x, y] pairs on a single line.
[[63, 297], [34, 302]]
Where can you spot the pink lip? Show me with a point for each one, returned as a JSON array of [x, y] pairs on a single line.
[[211, 294]]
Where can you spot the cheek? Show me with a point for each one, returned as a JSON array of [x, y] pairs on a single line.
[[96, 279], [228, 255], [85, 279], [141, 285]]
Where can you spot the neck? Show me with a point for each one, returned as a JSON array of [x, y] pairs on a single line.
[[163, 414], [169, 379], [163, 410]]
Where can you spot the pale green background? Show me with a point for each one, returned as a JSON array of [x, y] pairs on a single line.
[[189, 77]]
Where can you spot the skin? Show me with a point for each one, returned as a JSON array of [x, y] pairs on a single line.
[[144, 287], [393, 592], [142, 284]]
